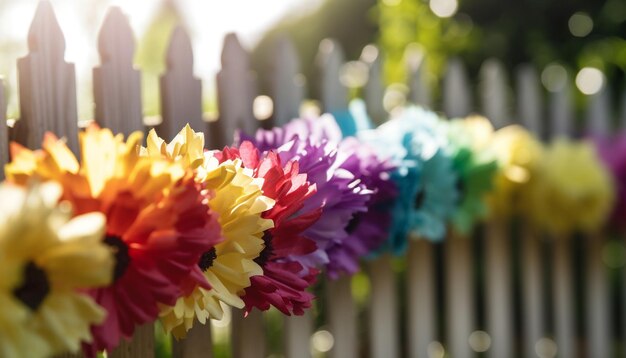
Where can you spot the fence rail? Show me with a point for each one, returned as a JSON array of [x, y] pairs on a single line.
[[511, 283]]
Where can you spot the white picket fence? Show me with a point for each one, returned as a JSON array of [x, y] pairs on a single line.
[[518, 317]]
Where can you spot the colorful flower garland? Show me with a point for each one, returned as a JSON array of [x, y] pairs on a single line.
[[92, 249]]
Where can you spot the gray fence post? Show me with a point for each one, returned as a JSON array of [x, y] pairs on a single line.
[[374, 90], [330, 58], [529, 114], [116, 84], [236, 89], [598, 303], [181, 91], [499, 298], [563, 285], [419, 90], [459, 261], [47, 84], [287, 82]]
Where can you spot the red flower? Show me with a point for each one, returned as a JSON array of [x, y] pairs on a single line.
[[158, 222], [157, 250], [284, 282]]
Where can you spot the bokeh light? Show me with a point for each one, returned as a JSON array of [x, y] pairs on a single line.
[[554, 77], [353, 74], [322, 341], [580, 24], [480, 341], [546, 348], [263, 107], [589, 80], [444, 8], [436, 350]]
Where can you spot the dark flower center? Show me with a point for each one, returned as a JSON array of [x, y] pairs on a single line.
[[419, 198], [206, 260], [34, 288], [122, 257], [353, 224], [267, 251]]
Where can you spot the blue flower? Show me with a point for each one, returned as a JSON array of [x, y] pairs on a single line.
[[416, 144]]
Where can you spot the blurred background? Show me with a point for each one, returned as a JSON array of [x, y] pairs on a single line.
[[558, 36], [581, 41]]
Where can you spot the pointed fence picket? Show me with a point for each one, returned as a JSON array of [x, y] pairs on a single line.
[[529, 112], [423, 321], [47, 84], [342, 310], [247, 333], [236, 90], [116, 84], [457, 101], [330, 58], [459, 260], [373, 91], [287, 82], [598, 308], [383, 305], [47, 98], [419, 91], [181, 91], [498, 241], [562, 281]]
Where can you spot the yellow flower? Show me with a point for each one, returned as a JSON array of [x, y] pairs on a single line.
[[519, 154], [187, 146], [574, 192], [143, 199], [46, 258], [239, 202]]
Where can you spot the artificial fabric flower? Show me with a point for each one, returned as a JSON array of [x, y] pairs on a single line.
[[312, 142], [476, 166], [48, 260], [612, 150], [368, 230], [519, 154], [187, 147], [239, 202], [414, 142], [574, 191], [284, 281], [158, 223]]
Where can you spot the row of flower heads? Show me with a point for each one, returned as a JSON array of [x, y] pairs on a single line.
[[91, 249]]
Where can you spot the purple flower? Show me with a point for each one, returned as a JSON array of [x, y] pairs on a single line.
[[368, 230], [612, 150], [313, 142]]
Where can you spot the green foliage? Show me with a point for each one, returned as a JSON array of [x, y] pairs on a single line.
[[163, 341], [534, 31], [406, 22]]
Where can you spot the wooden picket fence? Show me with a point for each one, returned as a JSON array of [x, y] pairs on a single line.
[[508, 290]]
